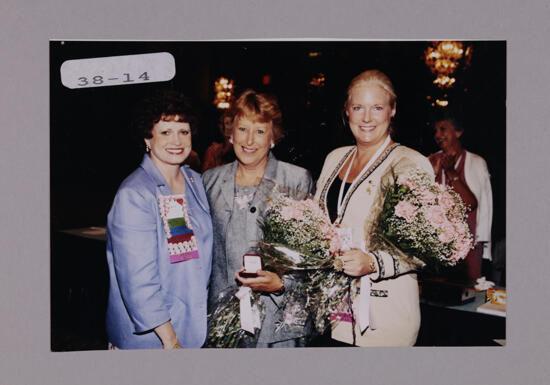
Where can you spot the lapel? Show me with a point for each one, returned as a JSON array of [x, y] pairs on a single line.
[[163, 188], [228, 185], [332, 177], [362, 178], [153, 172], [192, 184], [268, 182], [365, 175], [271, 168]]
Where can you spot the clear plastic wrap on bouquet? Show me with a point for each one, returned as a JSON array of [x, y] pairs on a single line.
[[224, 322], [299, 239]]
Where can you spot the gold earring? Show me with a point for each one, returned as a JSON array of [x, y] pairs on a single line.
[[147, 148]]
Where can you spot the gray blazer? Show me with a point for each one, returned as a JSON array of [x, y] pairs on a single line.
[[219, 184]]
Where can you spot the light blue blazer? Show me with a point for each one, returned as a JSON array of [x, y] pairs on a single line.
[[147, 290], [220, 188]]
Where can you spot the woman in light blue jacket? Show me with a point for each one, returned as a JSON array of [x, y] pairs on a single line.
[[159, 238]]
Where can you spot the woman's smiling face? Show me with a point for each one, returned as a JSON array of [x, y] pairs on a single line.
[[252, 140], [171, 142], [369, 111], [445, 134]]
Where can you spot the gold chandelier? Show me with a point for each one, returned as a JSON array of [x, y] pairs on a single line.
[[444, 57], [223, 90]]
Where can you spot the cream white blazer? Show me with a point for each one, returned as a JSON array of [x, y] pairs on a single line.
[[394, 300]]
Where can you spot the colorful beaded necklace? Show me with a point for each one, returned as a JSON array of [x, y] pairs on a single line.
[[182, 243]]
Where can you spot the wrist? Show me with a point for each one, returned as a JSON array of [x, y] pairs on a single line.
[[280, 290], [170, 343], [369, 265], [372, 263], [167, 335]]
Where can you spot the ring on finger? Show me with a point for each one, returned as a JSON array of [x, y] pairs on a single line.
[[338, 264]]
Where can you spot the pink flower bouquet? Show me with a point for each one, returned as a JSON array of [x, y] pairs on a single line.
[[299, 239], [425, 220], [299, 235]]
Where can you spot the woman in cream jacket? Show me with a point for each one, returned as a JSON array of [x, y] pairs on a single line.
[[349, 189]]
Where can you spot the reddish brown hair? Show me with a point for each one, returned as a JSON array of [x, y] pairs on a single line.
[[259, 107]]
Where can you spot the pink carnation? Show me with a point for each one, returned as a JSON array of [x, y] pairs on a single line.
[[335, 245], [291, 212], [405, 210], [330, 234], [461, 229], [462, 248], [327, 230], [313, 206], [447, 233], [426, 196], [439, 187], [446, 201], [404, 180], [435, 216]]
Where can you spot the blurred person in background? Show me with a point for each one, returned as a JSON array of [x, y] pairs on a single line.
[[468, 175], [220, 152]]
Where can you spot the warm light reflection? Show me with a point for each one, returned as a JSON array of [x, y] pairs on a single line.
[[443, 58], [444, 81], [223, 89], [318, 80]]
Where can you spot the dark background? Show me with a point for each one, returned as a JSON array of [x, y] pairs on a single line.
[[92, 146]]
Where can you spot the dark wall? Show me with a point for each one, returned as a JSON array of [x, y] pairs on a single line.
[[92, 149]]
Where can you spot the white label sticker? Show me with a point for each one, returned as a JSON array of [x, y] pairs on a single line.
[[118, 70]]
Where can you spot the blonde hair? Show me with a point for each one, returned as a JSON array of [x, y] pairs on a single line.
[[377, 77]]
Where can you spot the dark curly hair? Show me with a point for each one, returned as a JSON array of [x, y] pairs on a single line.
[[163, 105]]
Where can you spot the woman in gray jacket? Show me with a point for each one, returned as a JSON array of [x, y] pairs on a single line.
[[235, 195]]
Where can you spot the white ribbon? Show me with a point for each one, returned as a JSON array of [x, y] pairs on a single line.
[[364, 303], [366, 318], [364, 310], [247, 317]]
